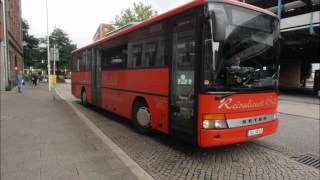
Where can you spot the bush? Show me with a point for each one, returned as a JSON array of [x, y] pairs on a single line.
[[60, 80], [26, 78], [8, 87]]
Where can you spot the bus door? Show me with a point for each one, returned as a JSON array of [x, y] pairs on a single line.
[[182, 79], [96, 78]]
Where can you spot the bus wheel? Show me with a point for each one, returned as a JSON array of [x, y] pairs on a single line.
[[142, 118], [84, 100]]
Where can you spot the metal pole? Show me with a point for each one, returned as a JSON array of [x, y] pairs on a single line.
[[311, 30], [5, 43], [48, 47], [279, 9], [54, 59]]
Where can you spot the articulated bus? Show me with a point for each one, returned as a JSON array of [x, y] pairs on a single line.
[[206, 72]]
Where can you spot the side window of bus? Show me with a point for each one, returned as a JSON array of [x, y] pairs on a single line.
[[89, 60], [74, 63], [150, 54], [184, 38], [137, 56], [116, 61], [115, 58], [79, 60], [186, 50], [162, 54], [154, 52], [83, 62]]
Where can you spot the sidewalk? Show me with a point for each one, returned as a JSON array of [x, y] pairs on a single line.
[[42, 138]]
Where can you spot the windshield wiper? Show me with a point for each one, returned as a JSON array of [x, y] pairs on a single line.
[[241, 92]]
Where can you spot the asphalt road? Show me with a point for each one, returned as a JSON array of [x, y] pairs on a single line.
[[298, 132], [296, 136]]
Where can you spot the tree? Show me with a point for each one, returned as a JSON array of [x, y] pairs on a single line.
[[31, 51], [61, 40], [35, 50], [138, 13]]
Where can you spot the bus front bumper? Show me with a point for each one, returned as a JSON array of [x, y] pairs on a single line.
[[213, 137]]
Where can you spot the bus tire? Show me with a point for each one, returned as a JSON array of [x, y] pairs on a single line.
[[84, 98], [142, 117]]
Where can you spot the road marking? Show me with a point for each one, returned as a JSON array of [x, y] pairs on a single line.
[[307, 117], [130, 163]]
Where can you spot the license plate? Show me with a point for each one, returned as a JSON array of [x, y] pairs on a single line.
[[254, 132]]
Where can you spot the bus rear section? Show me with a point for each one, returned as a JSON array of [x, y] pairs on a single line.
[[81, 76]]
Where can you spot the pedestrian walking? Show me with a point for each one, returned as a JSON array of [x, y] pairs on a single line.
[[19, 81], [34, 78]]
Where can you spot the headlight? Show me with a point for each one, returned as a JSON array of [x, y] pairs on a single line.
[[214, 121], [214, 124], [208, 124], [220, 124]]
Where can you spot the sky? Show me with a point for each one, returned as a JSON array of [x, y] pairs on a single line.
[[81, 18]]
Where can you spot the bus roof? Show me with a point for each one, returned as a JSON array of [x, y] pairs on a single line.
[[172, 12]]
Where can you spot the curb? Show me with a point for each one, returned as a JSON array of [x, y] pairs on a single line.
[[130, 163]]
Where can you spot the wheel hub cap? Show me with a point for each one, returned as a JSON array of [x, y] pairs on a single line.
[[143, 117]]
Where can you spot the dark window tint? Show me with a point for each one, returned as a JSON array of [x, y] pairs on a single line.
[[185, 50], [155, 52], [89, 60], [137, 56], [150, 54], [83, 62], [115, 58], [73, 64], [79, 60]]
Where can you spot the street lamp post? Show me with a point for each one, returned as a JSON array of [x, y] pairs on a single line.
[[54, 60], [48, 47]]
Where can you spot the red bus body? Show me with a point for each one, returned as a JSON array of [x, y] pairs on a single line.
[[118, 90]]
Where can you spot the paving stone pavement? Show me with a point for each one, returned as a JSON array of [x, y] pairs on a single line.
[[43, 139], [164, 157]]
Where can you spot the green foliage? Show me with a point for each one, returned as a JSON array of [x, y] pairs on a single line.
[[35, 50], [138, 13], [60, 80], [8, 87], [59, 38], [32, 53]]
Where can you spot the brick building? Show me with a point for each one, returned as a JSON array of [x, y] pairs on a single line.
[[102, 31], [14, 39]]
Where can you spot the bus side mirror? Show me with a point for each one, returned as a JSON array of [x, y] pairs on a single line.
[[219, 25]]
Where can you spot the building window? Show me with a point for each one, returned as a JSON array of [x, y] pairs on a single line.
[[15, 61]]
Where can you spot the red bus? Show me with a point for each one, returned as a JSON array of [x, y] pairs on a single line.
[[206, 72]]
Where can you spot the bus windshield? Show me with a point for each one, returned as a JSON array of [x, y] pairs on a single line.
[[247, 57]]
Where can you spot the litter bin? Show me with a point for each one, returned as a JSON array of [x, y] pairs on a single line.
[[316, 84], [53, 79]]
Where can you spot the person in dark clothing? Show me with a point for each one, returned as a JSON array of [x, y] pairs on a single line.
[[34, 78]]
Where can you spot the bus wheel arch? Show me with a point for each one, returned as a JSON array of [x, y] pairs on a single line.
[[84, 96], [141, 116]]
